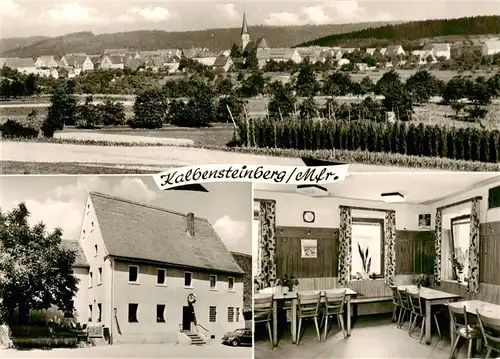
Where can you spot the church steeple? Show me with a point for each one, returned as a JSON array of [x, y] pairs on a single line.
[[245, 36], [244, 27]]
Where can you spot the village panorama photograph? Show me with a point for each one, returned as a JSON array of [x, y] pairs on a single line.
[[92, 87], [110, 266]]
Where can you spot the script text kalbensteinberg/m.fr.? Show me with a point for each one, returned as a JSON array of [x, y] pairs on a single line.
[[312, 175]]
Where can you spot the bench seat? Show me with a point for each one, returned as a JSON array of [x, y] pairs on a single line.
[[371, 299]]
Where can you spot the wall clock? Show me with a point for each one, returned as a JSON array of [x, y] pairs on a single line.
[[191, 298], [308, 216]]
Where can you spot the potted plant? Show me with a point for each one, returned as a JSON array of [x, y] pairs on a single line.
[[422, 281], [458, 261], [366, 260], [287, 283]]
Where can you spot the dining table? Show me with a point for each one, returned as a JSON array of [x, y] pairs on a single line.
[[485, 308], [293, 296], [431, 297]]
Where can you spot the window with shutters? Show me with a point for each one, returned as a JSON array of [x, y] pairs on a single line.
[[212, 314], [230, 314]]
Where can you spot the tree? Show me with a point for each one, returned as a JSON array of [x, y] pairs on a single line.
[[86, 115], [36, 272], [337, 84], [5, 92], [455, 90], [199, 111], [366, 85], [30, 85], [224, 87], [252, 63], [283, 100], [398, 100], [62, 110], [17, 89], [388, 81], [307, 85], [111, 113], [235, 51], [150, 110], [308, 108], [253, 85], [494, 85], [479, 95], [234, 103], [422, 85]]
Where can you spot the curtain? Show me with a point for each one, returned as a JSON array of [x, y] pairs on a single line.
[[437, 246], [345, 250], [389, 245], [267, 218], [447, 252], [473, 275]]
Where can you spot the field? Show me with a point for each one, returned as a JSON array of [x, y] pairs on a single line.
[[442, 75], [217, 135], [431, 113]]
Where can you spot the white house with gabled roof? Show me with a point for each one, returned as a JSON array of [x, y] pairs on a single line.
[[157, 275]]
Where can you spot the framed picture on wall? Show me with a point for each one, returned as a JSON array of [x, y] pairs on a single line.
[[424, 221], [309, 248]]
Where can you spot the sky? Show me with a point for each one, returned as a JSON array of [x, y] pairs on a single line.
[[20, 18], [59, 201]]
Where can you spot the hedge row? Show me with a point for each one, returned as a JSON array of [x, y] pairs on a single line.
[[469, 144]]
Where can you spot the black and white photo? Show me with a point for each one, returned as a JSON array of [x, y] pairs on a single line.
[[115, 266]]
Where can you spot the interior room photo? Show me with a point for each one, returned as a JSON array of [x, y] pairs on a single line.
[[380, 265]]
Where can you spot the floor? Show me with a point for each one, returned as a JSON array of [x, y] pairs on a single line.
[[212, 350], [371, 337]]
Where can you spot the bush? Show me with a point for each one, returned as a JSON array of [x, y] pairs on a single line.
[[13, 129]]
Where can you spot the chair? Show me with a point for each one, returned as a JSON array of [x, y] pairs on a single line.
[[334, 306], [308, 309], [405, 307], [462, 329], [418, 311], [490, 329], [396, 302], [263, 312]]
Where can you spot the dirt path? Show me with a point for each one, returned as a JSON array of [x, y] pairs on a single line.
[[156, 157]]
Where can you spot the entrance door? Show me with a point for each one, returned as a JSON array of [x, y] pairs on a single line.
[[187, 318]]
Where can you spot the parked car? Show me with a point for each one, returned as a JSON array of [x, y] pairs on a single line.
[[238, 337]]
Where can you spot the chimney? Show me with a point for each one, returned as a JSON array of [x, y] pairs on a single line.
[[190, 223]]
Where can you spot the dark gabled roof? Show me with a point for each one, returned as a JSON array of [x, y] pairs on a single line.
[[17, 62], [252, 46], [115, 59], [142, 232], [80, 260], [221, 61], [134, 64], [245, 263]]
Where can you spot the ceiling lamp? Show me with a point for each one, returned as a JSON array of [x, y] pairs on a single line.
[[313, 190], [393, 197]]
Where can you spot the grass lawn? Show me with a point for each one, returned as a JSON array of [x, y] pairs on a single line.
[[67, 168]]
